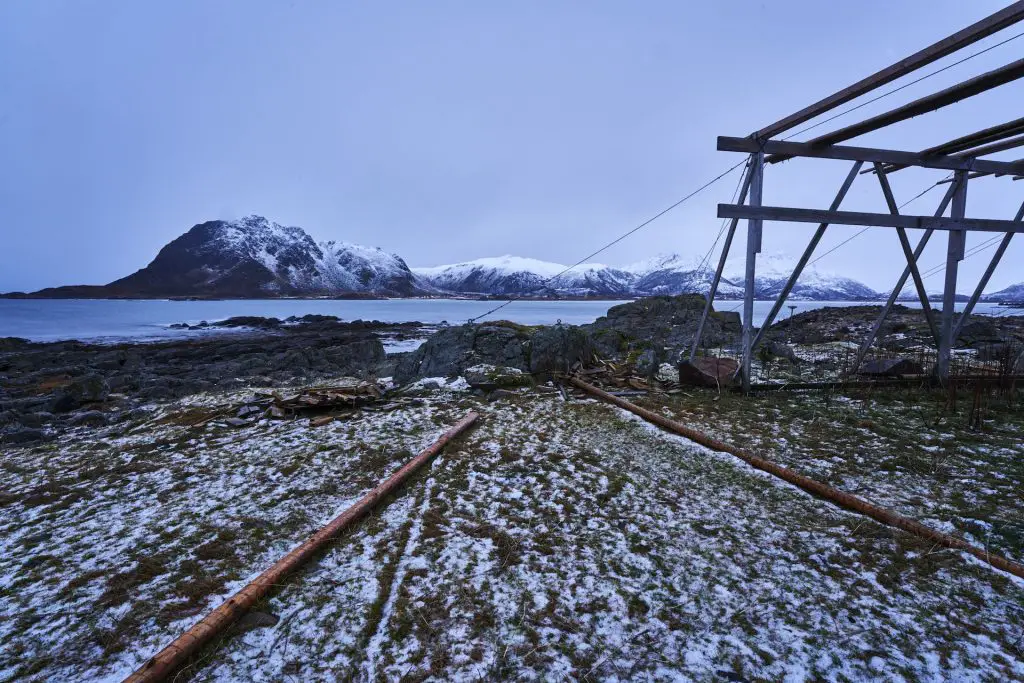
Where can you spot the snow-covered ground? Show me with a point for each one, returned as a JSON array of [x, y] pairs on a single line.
[[555, 540]]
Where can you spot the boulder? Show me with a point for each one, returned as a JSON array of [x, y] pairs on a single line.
[[448, 352], [661, 322], [978, 331], [708, 371], [12, 343], [647, 363], [89, 418], [490, 377], [891, 367], [780, 350], [558, 348], [255, 321], [35, 419], [23, 435], [91, 388]]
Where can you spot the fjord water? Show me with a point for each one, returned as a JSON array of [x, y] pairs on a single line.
[[119, 320]]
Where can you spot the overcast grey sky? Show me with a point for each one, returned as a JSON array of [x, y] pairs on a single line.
[[446, 131]]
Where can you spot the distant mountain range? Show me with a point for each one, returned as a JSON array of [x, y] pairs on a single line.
[[254, 257]]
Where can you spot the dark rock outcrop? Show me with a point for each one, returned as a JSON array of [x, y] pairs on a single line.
[[665, 324], [450, 351], [891, 367], [96, 385]]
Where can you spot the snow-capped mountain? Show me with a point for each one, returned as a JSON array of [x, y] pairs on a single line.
[[254, 257], [773, 271], [674, 274], [1011, 294], [526, 276], [663, 274]]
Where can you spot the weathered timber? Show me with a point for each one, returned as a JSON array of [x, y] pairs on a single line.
[[172, 657], [812, 486]]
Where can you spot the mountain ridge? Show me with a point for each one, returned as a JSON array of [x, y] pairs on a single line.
[[253, 257]]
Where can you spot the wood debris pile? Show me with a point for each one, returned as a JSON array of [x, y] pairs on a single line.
[[623, 376], [322, 404]]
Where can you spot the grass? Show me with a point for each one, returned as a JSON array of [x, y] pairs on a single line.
[[553, 540]]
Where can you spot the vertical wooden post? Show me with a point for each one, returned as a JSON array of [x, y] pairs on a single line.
[[721, 267], [806, 256], [954, 254], [866, 346], [996, 258], [754, 226]]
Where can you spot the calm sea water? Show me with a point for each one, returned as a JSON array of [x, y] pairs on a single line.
[[109, 321]]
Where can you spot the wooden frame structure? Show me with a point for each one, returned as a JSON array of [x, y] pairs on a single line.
[[961, 155]]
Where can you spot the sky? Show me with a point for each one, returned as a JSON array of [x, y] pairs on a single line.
[[448, 131]]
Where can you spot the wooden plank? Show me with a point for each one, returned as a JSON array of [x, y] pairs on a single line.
[[745, 186], [877, 220], [983, 283], [995, 22], [981, 137], [782, 150], [983, 143], [957, 242], [754, 228], [928, 103], [909, 255], [994, 147]]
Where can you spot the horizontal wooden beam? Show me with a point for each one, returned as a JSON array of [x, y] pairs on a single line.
[[981, 137], [993, 147], [878, 220], [928, 103], [868, 154], [995, 22], [982, 143]]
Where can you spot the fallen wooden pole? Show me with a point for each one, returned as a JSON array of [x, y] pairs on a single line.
[[216, 622], [812, 486]]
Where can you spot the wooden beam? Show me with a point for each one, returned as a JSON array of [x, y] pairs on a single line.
[[895, 293], [993, 148], [973, 145], [877, 220], [784, 150], [911, 257], [745, 186], [983, 282], [995, 22], [805, 257], [754, 227], [981, 137], [954, 93]]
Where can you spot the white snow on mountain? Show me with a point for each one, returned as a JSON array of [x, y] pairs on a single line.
[[1013, 293], [254, 254], [662, 274], [526, 276], [773, 271]]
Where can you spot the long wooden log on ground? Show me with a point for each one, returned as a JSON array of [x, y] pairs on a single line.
[[812, 486], [216, 622]]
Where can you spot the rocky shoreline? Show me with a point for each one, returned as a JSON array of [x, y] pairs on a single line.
[[47, 388]]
